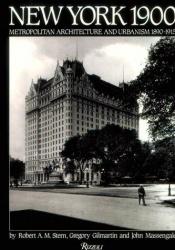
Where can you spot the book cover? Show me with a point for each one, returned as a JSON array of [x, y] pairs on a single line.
[[89, 102]]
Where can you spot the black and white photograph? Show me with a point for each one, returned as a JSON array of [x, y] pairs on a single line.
[[82, 149], [91, 122]]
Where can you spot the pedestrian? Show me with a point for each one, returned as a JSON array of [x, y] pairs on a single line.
[[141, 194]]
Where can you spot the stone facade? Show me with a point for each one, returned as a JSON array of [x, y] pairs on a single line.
[[70, 103]]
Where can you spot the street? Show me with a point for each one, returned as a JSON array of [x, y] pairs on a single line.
[[117, 211], [153, 192]]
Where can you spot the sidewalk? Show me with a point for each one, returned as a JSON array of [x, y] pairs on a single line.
[[122, 212]]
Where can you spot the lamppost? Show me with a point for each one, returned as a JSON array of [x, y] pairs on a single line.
[[169, 184], [105, 150], [171, 165], [102, 175], [169, 189], [87, 176], [105, 166], [68, 170], [105, 154]]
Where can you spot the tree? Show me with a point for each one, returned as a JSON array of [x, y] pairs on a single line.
[[167, 146], [138, 169], [156, 88], [113, 148], [71, 153], [17, 169], [119, 150], [78, 151], [47, 171], [161, 162]]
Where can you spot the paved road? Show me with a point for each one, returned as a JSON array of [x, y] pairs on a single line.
[[155, 192], [123, 212]]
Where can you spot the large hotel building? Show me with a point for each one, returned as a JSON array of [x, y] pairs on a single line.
[[70, 103]]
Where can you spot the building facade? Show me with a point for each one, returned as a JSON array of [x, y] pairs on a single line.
[[70, 103]]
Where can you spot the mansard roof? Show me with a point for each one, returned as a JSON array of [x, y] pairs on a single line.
[[43, 83], [36, 87], [100, 85], [50, 81], [78, 70], [104, 87], [76, 66]]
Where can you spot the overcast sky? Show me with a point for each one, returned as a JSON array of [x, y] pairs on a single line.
[[32, 57]]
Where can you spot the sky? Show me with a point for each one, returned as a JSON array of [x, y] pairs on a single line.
[[34, 57]]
